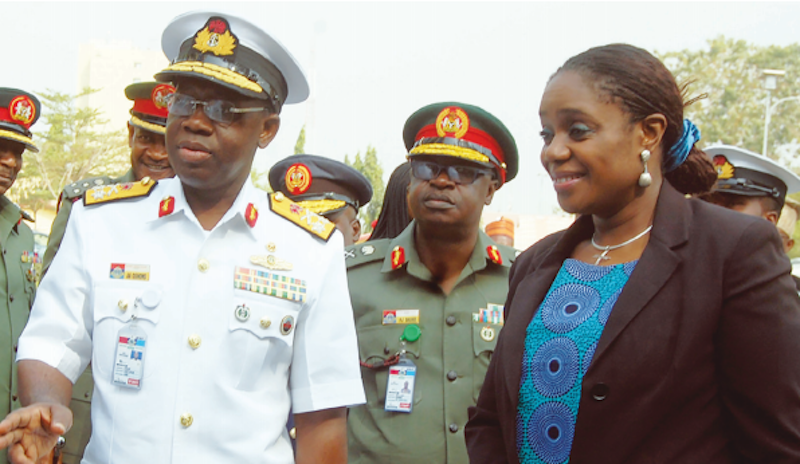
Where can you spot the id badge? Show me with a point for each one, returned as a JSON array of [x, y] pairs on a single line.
[[400, 386], [129, 357]]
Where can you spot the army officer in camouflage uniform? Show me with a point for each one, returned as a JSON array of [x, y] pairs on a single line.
[[18, 111], [428, 303], [148, 159]]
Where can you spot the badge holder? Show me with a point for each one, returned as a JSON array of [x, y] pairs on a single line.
[[130, 354], [402, 376]]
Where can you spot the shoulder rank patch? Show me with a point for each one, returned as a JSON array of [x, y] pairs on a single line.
[[116, 192], [306, 219], [75, 190], [367, 252]]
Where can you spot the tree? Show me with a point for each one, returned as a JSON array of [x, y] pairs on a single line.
[[261, 178], [729, 73], [72, 147], [300, 145], [372, 170]]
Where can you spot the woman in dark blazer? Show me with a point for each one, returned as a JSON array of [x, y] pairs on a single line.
[[698, 355]]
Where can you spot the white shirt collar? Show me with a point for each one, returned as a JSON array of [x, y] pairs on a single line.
[[247, 195]]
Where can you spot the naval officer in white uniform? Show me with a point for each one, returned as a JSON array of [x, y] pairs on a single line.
[[206, 306]]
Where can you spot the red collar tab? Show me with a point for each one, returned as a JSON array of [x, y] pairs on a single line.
[[298, 179], [251, 215], [166, 207], [156, 105], [398, 257], [21, 111], [494, 254]]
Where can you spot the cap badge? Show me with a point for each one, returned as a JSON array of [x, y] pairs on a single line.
[[298, 179], [723, 166], [161, 94], [494, 254], [251, 215], [166, 207], [22, 109], [398, 257], [452, 122], [215, 37]]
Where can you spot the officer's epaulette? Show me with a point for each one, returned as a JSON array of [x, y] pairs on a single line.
[[76, 190], [302, 217], [116, 192], [362, 253]]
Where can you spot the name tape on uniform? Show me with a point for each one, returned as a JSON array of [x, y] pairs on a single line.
[[270, 283], [400, 316], [122, 271]]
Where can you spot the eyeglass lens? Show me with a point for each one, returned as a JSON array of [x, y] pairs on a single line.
[[428, 170], [221, 111]]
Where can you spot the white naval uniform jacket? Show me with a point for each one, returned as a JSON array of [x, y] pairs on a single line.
[[235, 385]]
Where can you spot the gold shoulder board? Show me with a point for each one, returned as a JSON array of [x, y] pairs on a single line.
[[116, 192], [306, 219]]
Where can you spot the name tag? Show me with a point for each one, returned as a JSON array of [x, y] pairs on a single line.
[[400, 316], [122, 271]]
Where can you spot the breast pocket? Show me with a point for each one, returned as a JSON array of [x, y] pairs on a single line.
[[114, 307], [261, 339], [376, 345], [484, 341]]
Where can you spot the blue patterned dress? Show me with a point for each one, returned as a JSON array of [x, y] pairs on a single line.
[[559, 345]]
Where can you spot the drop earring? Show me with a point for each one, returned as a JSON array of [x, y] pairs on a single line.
[[645, 179]]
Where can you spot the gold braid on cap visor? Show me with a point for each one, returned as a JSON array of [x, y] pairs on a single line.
[[449, 150], [217, 72], [18, 138], [322, 206], [148, 126]]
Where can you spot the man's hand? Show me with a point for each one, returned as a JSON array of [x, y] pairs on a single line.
[[31, 433]]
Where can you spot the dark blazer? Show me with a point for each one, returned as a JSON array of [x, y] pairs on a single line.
[[698, 363]]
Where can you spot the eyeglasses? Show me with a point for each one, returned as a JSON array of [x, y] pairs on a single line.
[[219, 111], [462, 175]]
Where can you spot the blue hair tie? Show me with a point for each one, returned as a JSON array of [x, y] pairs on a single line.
[[680, 150]]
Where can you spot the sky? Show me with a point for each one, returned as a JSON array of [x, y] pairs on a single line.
[[372, 64]]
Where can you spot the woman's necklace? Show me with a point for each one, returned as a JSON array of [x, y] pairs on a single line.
[[605, 249]]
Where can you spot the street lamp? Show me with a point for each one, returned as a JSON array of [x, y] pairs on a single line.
[[770, 84]]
